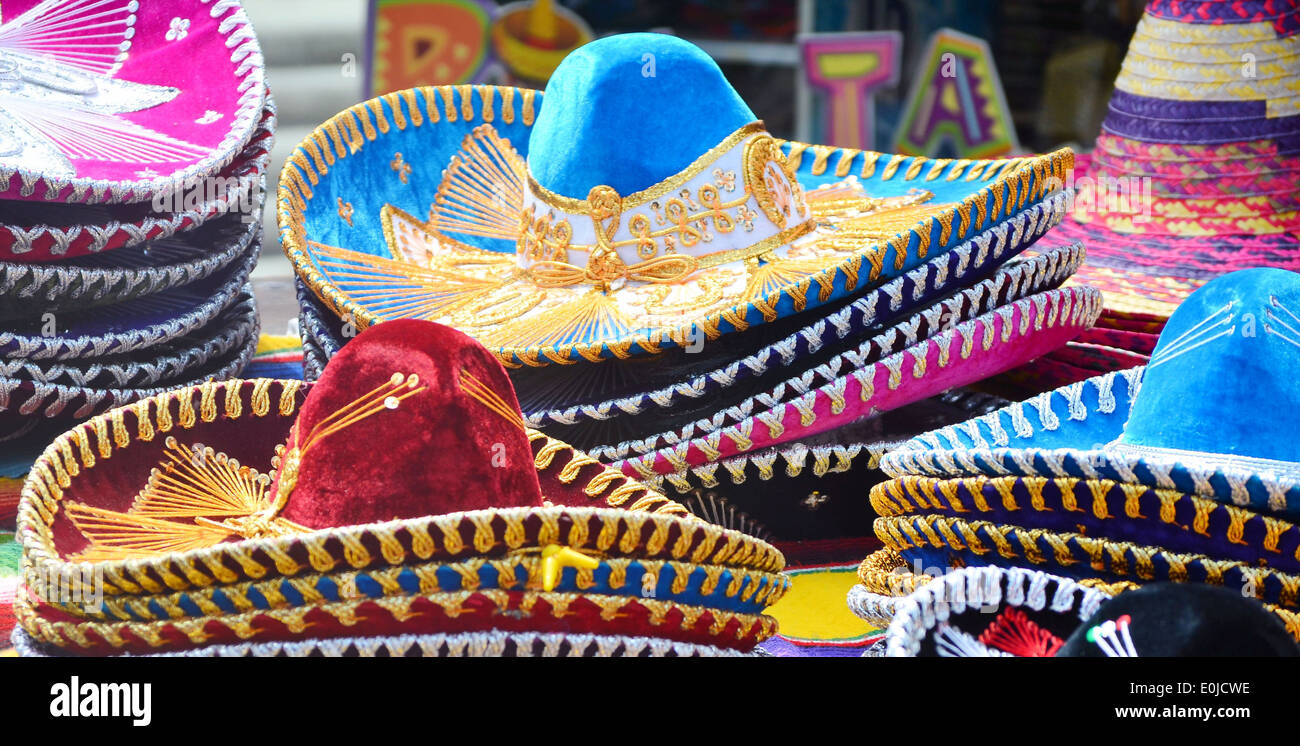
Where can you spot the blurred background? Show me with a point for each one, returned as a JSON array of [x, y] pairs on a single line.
[[1040, 69]]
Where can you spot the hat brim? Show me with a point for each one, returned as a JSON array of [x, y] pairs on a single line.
[[231, 329], [1101, 508], [487, 644], [942, 541], [315, 196], [127, 273], [246, 420], [24, 403], [811, 489], [970, 351], [961, 599], [466, 611], [58, 232], [124, 328], [554, 397], [214, 66], [717, 587], [1060, 433]]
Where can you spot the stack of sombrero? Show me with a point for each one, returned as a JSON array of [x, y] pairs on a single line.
[[134, 141], [397, 506], [674, 294], [1194, 174], [1186, 469]]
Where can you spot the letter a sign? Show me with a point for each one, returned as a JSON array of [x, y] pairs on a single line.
[[956, 106]]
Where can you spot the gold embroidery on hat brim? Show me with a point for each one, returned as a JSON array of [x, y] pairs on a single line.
[[744, 628], [746, 586], [1118, 559], [1103, 500], [1017, 181], [645, 524]]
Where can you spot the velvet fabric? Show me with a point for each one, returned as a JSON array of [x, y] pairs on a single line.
[[439, 451], [1221, 379], [629, 111], [1183, 620], [185, 46]]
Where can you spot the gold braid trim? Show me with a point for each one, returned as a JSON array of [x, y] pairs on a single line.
[[401, 608], [1120, 558], [1108, 500]]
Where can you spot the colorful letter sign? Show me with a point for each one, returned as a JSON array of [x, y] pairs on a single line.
[[427, 42], [848, 68], [956, 106]]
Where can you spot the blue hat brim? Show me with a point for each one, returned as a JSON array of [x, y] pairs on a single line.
[[1064, 433]]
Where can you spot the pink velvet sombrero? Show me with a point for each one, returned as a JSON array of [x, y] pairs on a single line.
[[110, 101], [1195, 171]]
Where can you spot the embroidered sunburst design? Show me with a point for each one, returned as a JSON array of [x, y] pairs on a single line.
[[577, 279], [59, 99], [194, 499], [198, 497]]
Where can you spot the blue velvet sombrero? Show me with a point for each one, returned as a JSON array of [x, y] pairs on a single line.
[[607, 224], [1212, 417]]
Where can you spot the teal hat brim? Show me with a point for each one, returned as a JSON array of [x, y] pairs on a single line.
[[1065, 432]]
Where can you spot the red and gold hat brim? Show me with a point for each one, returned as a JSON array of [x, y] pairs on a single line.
[[488, 644], [105, 462], [465, 611]]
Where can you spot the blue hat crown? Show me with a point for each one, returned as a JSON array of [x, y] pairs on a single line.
[[628, 112], [1223, 377]]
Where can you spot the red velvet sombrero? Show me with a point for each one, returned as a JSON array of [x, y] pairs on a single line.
[[406, 496]]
